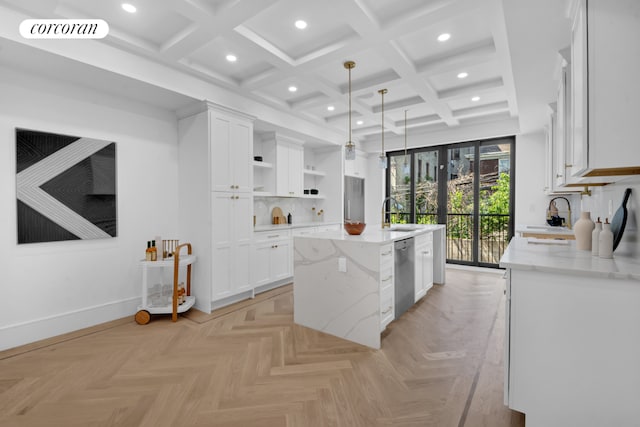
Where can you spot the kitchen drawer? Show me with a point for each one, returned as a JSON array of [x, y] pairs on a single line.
[[303, 231], [386, 253], [422, 239], [387, 312], [386, 278], [268, 236]]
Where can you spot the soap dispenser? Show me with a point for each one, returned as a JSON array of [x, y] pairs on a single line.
[[605, 241], [595, 238], [289, 219]]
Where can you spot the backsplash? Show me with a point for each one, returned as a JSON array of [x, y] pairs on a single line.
[[599, 206], [302, 210]]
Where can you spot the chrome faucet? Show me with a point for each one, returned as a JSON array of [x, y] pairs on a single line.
[[384, 213]]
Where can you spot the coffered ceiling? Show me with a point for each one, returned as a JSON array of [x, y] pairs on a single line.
[[394, 44]]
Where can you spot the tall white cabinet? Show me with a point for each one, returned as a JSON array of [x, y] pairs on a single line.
[[216, 203]]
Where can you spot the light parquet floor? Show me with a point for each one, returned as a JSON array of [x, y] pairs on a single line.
[[249, 365]]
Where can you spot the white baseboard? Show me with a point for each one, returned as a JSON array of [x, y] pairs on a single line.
[[47, 327]]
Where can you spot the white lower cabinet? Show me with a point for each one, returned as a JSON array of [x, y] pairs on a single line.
[[271, 257], [232, 228], [423, 264], [387, 289]]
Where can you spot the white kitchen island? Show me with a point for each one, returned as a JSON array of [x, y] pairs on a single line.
[[344, 285], [572, 338]]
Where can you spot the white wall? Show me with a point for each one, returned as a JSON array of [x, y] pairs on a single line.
[[53, 288], [531, 201]]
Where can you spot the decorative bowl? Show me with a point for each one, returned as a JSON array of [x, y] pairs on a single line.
[[354, 228]]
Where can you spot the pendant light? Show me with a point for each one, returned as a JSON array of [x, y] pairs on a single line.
[[405, 168], [350, 147], [383, 157]]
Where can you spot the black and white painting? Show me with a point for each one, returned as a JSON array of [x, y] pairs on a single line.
[[66, 187]]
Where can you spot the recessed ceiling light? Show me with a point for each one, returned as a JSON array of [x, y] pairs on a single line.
[[300, 24], [129, 8], [463, 75], [292, 88], [359, 122], [444, 37], [331, 108], [475, 99], [232, 58]]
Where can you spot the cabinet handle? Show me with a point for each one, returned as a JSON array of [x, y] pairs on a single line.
[[559, 175], [231, 197], [387, 310], [567, 165], [231, 186], [387, 279], [273, 237], [386, 253]]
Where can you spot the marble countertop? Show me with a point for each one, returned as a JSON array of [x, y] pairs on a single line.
[[271, 227], [564, 258], [376, 234]]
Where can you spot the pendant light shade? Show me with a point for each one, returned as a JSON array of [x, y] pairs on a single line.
[[383, 156], [350, 147]]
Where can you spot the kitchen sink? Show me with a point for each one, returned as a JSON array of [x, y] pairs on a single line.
[[545, 227], [403, 227]]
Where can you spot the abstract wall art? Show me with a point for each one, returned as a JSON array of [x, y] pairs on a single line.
[[65, 186]]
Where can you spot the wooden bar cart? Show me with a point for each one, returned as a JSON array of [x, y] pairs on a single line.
[[147, 308]]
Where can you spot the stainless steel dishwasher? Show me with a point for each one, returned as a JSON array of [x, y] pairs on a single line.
[[404, 281]]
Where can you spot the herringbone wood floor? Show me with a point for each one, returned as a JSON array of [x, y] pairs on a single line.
[[440, 365]]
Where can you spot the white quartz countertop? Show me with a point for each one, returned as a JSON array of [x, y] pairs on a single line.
[[376, 234], [271, 227], [566, 259]]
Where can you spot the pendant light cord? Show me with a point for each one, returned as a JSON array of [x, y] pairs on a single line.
[[350, 105], [382, 92]]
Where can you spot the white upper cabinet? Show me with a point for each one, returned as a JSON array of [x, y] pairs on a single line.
[[288, 156], [605, 93], [231, 153]]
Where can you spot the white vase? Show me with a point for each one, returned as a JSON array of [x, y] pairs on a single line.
[[595, 238], [582, 230], [605, 241]]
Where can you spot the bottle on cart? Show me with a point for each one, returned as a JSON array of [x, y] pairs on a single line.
[[147, 253], [154, 251]]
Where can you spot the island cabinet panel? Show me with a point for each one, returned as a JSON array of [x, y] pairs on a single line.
[[423, 264]]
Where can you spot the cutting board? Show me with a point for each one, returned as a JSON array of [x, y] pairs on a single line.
[[277, 217], [619, 220]]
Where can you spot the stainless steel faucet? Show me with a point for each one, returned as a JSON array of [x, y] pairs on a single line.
[[384, 213]]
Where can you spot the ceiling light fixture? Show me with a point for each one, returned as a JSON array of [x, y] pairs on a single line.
[[300, 24], [475, 99], [463, 75], [444, 37], [129, 8], [350, 147], [383, 157], [359, 122], [292, 88], [331, 108], [232, 58]]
